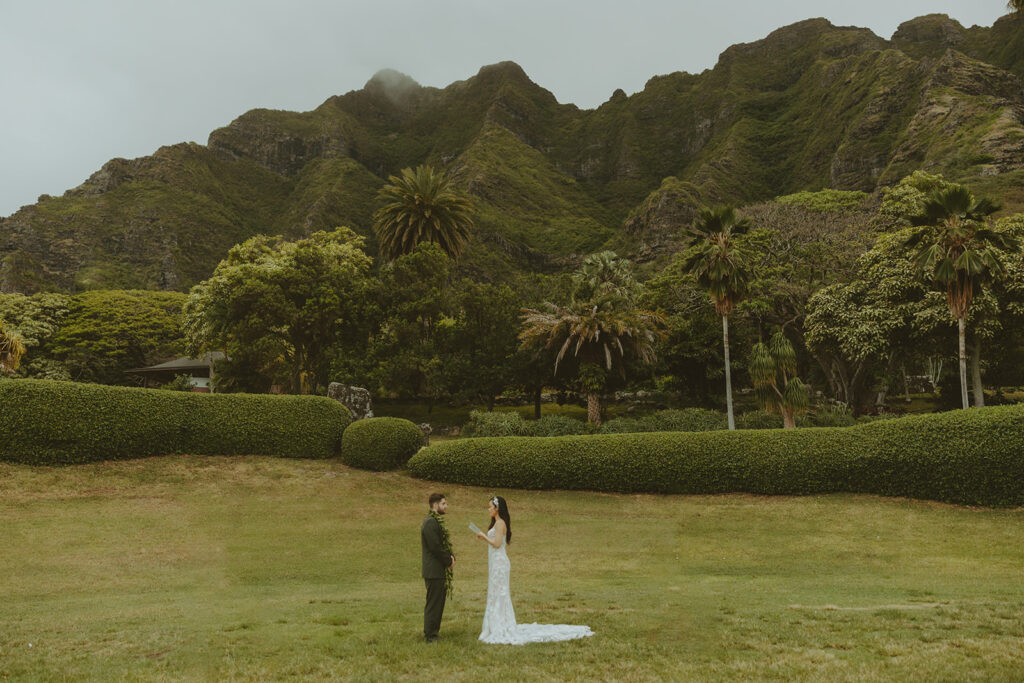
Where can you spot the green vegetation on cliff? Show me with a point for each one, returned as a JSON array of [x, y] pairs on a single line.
[[811, 106]]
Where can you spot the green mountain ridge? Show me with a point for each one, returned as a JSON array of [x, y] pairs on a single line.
[[808, 107]]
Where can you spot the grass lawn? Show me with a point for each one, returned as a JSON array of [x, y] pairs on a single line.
[[255, 568]]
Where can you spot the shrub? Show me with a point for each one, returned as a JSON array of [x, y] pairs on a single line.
[[179, 383], [832, 415], [964, 456], [557, 425], [622, 425], [832, 419], [759, 419], [863, 419], [686, 420], [58, 423], [498, 423], [380, 443]]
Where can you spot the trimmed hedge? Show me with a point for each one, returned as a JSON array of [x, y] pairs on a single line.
[[44, 422], [971, 456], [380, 443], [494, 423]]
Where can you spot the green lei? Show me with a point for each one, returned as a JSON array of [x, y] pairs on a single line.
[[446, 543]]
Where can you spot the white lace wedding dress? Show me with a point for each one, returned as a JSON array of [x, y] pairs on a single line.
[[500, 625]]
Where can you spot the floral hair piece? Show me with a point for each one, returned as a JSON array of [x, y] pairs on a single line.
[[495, 501]]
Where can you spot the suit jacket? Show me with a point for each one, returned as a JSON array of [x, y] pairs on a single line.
[[435, 558]]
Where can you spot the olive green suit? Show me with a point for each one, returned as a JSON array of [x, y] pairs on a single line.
[[435, 560]]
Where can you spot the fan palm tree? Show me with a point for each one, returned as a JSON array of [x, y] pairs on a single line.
[[605, 273], [421, 206], [600, 335], [723, 269], [956, 249], [11, 349]]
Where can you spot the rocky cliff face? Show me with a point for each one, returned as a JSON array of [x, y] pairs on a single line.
[[810, 106]]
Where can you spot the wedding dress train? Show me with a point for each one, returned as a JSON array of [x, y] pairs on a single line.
[[500, 625]]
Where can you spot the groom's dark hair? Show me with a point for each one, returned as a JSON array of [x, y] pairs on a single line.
[[435, 498]]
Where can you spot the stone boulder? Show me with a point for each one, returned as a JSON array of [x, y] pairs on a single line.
[[356, 399]]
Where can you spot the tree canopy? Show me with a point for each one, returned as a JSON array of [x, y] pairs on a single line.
[[278, 307], [421, 205]]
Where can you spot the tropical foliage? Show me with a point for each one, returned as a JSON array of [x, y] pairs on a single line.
[[12, 348], [836, 274], [773, 372], [599, 331], [95, 336], [277, 307], [422, 206], [957, 249], [722, 268]]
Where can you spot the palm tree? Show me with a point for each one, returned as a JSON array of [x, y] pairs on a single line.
[[956, 249], [422, 206], [11, 349], [721, 268], [605, 273], [600, 335], [773, 371], [1016, 6]]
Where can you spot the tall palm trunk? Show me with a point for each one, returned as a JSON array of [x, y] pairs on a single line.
[[976, 386], [594, 408], [728, 376], [962, 327]]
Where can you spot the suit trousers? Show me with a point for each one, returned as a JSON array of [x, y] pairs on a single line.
[[437, 592]]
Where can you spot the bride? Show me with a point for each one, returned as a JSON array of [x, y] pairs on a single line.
[[500, 625]]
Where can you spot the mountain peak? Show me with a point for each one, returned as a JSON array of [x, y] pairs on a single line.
[[394, 84], [507, 69], [933, 28]]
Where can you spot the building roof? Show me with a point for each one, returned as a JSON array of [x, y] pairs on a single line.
[[183, 364]]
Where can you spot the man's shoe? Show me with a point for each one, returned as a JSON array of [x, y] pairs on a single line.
[[432, 639]]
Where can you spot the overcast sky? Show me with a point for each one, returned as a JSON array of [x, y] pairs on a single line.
[[84, 82]]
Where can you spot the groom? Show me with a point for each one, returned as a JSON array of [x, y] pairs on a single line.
[[435, 561]]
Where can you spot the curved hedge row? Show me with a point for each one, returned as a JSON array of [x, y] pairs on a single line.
[[971, 456], [44, 422], [380, 443]]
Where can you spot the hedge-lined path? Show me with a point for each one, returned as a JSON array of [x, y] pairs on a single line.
[[262, 568]]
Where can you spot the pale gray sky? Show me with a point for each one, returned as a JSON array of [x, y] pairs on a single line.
[[83, 82]]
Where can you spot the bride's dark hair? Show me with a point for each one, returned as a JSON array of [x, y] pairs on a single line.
[[503, 513]]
